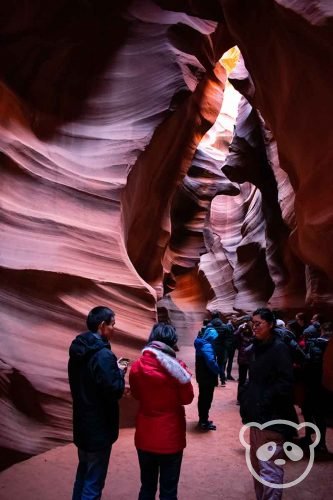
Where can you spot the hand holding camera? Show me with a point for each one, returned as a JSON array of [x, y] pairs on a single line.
[[123, 363]]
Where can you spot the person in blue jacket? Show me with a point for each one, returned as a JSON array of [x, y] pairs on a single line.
[[206, 372]]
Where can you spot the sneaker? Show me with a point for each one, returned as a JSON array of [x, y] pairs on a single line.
[[202, 426], [207, 426], [210, 426]]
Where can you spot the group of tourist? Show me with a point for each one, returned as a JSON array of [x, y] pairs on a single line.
[[270, 356], [279, 366]]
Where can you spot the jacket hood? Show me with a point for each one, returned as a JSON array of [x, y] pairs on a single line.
[[168, 362], [312, 330], [210, 334], [86, 343], [161, 346], [208, 337]]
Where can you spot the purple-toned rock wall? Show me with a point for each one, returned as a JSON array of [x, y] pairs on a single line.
[[115, 190]]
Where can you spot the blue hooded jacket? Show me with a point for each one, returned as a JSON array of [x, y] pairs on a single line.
[[206, 367]]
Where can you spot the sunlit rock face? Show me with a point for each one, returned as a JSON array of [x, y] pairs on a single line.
[[296, 108], [297, 239], [110, 196]]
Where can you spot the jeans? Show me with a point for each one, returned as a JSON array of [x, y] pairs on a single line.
[[154, 464], [91, 473]]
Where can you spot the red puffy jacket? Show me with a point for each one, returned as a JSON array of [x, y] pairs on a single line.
[[162, 385]]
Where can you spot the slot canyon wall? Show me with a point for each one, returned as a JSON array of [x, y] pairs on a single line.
[[123, 184]]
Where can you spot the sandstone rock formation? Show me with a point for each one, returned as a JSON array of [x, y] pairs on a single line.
[[109, 196]]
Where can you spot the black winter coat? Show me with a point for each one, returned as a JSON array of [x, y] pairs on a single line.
[[225, 339], [269, 393], [244, 339], [96, 384]]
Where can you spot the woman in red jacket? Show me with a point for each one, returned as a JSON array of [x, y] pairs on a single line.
[[162, 384]]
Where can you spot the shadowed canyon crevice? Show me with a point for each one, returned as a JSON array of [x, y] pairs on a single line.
[[127, 179]]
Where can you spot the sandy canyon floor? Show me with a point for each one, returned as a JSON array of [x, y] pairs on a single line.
[[214, 466]]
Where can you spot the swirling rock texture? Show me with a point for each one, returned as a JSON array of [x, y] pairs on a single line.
[[109, 196], [294, 25]]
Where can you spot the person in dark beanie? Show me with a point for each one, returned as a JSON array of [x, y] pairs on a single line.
[[97, 383], [162, 385]]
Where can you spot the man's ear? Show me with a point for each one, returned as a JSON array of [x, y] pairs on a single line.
[[101, 327]]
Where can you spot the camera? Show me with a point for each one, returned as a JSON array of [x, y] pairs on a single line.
[[124, 361]]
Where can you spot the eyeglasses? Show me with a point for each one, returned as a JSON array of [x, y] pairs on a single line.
[[257, 324]]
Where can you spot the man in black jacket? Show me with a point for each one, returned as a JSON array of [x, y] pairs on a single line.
[[96, 383]]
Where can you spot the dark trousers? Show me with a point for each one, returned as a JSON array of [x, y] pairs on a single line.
[[167, 467], [313, 410], [230, 360], [221, 359], [242, 374], [205, 398], [91, 473]]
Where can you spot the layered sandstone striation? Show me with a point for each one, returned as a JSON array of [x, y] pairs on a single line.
[[116, 190]]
